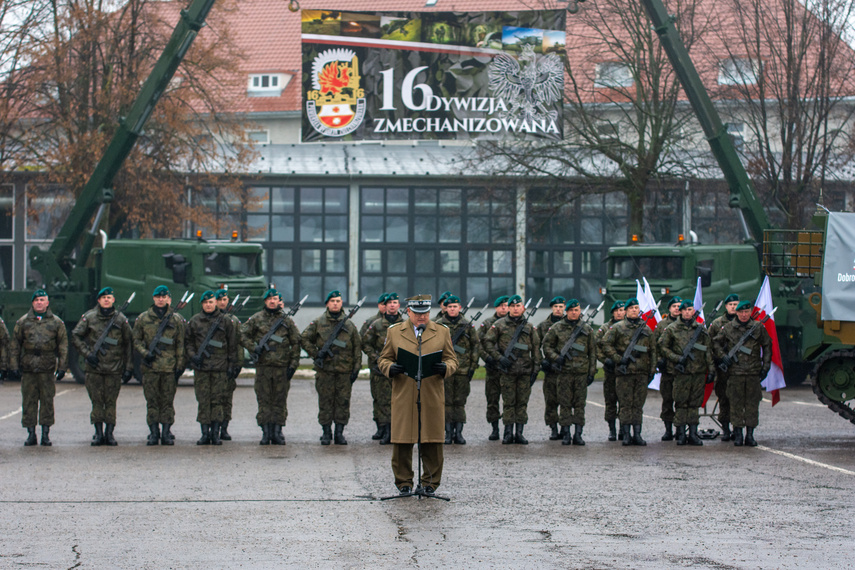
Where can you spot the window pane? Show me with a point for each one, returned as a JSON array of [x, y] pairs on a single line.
[[449, 202], [335, 200], [424, 201], [285, 285], [311, 260], [563, 230], [396, 261], [311, 228], [591, 231], [615, 204], [397, 201], [282, 200], [502, 229], [335, 261], [311, 285], [372, 200], [370, 286], [452, 284], [501, 286], [502, 202], [449, 261], [335, 229], [257, 227], [563, 261], [7, 211], [371, 260], [372, 229], [6, 267], [616, 230], [283, 228], [396, 229], [536, 287], [336, 283], [449, 229], [479, 287], [503, 262], [478, 205], [477, 261], [591, 262], [398, 284], [564, 286], [425, 261], [538, 262], [478, 230], [424, 229], [283, 261], [311, 200]]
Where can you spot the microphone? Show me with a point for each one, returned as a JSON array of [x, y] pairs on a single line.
[[419, 330]]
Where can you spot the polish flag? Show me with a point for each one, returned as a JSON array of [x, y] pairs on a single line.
[[650, 314], [774, 381], [698, 303]]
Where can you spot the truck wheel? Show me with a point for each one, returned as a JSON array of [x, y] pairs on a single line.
[[75, 364]]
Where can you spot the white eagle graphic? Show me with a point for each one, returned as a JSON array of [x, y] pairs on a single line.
[[527, 85]]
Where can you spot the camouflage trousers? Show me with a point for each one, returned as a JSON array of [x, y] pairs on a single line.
[[402, 464], [456, 393], [271, 392], [516, 391], [159, 391], [103, 392], [631, 393], [688, 397], [37, 392], [381, 393], [333, 397], [666, 389], [572, 394], [610, 396], [745, 394], [493, 392], [550, 398], [721, 394], [231, 386], [210, 388]]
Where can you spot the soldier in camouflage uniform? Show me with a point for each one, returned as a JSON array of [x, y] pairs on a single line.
[[275, 364], [443, 299], [746, 372], [211, 364], [223, 300], [39, 358], [162, 366], [666, 380], [492, 388], [381, 312], [550, 377], [109, 367], [457, 387], [5, 346], [730, 303], [609, 387], [574, 368], [515, 378], [336, 371], [634, 372], [690, 371], [381, 386]]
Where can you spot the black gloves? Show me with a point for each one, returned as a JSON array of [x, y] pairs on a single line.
[[711, 377], [681, 366], [471, 374], [725, 362], [623, 362], [609, 364], [256, 353], [59, 375], [396, 369], [196, 362], [660, 364], [178, 373], [149, 358], [92, 360], [289, 373], [505, 363], [489, 362], [234, 371], [439, 368], [126, 376], [546, 366], [353, 376], [590, 380]]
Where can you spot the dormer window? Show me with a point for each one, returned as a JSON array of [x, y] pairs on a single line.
[[267, 84], [736, 71]]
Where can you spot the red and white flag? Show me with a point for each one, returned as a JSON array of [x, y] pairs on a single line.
[[650, 314], [774, 380], [698, 303]]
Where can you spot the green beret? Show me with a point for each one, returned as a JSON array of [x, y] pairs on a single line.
[[500, 300], [675, 300], [270, 293], [105, 291], [452, 299], [686, 304], [743, 305], [631, 302], [730, 298], [39, 293], [557, 300], [206, 295], [382, 298], [444, 296], [222, 293], [332, 294], [391, 297], [514, 300], [617, 305], [160, 290], [572, 303]]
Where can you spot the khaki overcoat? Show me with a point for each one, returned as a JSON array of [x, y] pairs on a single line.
[[405, 418]]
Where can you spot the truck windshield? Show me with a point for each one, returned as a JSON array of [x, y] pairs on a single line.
[[649, 267], [232, 264]]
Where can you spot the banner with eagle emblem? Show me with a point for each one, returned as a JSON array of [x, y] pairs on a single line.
[[433, 75]]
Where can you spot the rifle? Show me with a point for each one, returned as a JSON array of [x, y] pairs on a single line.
[[99, 349], [463, 329], [627, 354], [571, 342], [326, 350], [153, 349], [263, 344], [715, 311], [687, 350], [203, 353], [509, 351], [732, 356], [466, 308]]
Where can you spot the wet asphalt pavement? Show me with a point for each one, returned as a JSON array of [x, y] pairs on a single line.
[[543, 505]]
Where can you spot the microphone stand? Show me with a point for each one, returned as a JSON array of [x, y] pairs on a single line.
[[419, 491]]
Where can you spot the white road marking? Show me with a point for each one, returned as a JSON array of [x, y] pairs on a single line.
[[21, 410], [806, 460]]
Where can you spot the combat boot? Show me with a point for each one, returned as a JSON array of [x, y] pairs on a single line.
[[46, 436], [626, 436], [519, 438], [567, 439], [749, 437], [725, 432], [612, 431], [215, 434], [265, 434], [108, 436], [577, 437], [206, 435], [379, 433], [508, 436], [449, 437], [153, 436], [668, 435], [737, 437], [387, 434], [166, 437], [636, 435], [98, 438], [326, 436], [339, 438], [681, 435], [554, 435], [494, 435], [276, 437], [224, 431], [693, 435], [31, 437], [458, 434]]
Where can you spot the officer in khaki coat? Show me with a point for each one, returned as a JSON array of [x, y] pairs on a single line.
[[405, 414]]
